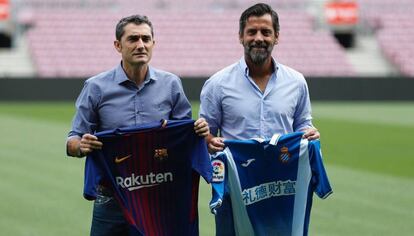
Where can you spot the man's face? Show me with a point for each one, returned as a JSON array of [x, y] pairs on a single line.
[[136, 44], [258, 38]]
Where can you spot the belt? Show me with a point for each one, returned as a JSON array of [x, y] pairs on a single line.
[[104, 190]]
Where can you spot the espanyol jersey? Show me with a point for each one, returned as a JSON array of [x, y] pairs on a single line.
[[154, 173], [270, 184]]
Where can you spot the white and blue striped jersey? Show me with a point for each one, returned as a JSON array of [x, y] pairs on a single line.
[[270, 184]]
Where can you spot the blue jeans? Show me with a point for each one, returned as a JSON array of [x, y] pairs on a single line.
[[108, 219]]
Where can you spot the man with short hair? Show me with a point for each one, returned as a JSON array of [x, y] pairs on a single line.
[[256, 97], [132, 93]]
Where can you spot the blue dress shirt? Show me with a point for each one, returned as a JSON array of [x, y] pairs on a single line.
[[110, 100], [232, 103]]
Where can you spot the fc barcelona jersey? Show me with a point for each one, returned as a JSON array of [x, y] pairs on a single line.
[[270, 184], [154, 173]]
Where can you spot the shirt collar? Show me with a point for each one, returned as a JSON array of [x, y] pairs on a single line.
[[245, 69], [121, 77]]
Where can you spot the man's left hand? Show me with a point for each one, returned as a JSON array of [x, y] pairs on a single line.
[[311, 133], [201, 127]]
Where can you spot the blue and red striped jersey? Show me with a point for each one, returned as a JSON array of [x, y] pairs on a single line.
[[154, 173]]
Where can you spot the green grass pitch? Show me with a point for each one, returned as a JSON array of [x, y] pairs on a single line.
[[367, 148]]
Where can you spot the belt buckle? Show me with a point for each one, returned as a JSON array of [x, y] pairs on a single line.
[[103, 190]]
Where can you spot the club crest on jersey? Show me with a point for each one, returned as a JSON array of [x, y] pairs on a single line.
[[284, 155], [218, 170], [160, 154]]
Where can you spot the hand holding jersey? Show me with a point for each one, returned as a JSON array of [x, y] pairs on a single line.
[[311, 134], [201, 127], [89, 142], [216, 144]]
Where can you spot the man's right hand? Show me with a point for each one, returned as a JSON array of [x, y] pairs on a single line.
[[79, 147], [215, 144], [88, 143]]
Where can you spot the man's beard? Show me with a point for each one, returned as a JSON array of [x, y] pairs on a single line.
[[258, 57]]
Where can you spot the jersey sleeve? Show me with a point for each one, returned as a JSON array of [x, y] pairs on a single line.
[[201, 159], [320, 180], [93, 175], [218, 161]]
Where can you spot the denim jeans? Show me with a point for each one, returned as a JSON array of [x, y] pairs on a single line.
[[108, 219]]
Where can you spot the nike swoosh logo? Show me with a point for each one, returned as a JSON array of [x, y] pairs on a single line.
[[142, 186], [121, 159], [247, 163]]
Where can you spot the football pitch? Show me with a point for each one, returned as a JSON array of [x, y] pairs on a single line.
[[368, 152]]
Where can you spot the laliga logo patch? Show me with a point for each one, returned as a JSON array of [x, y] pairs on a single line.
[[284, 155], [218, 171]]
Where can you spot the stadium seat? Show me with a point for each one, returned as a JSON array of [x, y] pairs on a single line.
[[78, 42]]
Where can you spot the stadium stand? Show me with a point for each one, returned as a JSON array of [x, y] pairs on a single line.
[[392, 25], [195, 38], [192, 43], [396, 37]]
